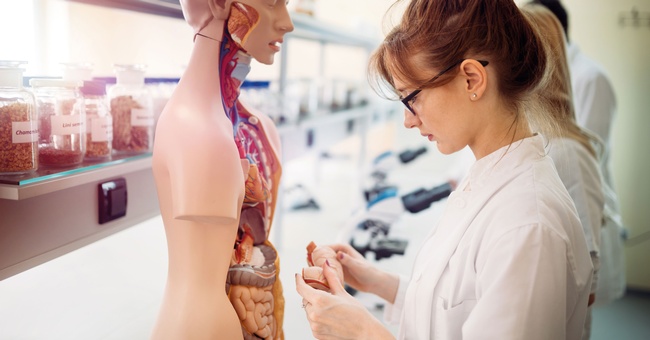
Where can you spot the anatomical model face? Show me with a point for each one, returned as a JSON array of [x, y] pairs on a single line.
[[259, 27]]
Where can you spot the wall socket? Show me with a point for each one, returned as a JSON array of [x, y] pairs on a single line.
[[112, 199]]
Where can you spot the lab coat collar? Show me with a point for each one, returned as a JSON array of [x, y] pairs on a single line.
[[503, 159]]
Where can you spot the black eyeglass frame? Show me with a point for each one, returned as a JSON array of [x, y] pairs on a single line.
[[412, 95]]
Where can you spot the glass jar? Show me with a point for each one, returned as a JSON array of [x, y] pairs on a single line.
[[99, 123], [61, 122], [18, 122], [132, 110]]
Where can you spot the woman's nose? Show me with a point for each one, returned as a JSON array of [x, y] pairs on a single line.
[[410, 119]]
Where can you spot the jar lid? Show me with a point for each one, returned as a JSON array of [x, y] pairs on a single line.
[[130, 67], [14, 64], [77, 71], [11, 75], [54, 82], [130, 73], [94, 88]]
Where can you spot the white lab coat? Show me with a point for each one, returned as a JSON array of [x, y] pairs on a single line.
[[508, 259], [595, 104], [593, 99], [580, 173]]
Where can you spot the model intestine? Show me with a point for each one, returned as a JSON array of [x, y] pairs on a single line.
[[256, 307]]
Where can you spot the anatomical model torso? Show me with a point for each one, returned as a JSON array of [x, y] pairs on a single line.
[[217, 170]]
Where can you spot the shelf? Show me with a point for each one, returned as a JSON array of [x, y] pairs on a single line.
[[47, 181], [324, 117], [53, 216], [167, 8], [305, 26]]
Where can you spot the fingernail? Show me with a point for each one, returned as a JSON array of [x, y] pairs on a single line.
[[340, 256], [328, 263]]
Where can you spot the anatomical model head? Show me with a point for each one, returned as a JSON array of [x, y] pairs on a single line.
[[257, 26]]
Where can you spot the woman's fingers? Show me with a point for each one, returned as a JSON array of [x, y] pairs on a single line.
[[333, 280], [344, 258], [303, 288], [342, 247], [308, 293]]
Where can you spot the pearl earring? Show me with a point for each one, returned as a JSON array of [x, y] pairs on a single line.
[[473, 95]]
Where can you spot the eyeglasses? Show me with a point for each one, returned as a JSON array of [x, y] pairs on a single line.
[[407, 100]]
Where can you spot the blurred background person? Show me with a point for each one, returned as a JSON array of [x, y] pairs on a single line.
[[572, 148], [595, 109]]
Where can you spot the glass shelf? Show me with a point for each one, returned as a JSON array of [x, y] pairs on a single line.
[[47, 180]]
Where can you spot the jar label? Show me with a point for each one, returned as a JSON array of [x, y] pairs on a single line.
[[67, 124], [101, 129], [24, 132], [142, 117]]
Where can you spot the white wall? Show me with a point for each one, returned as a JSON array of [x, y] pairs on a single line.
[[107, 36]]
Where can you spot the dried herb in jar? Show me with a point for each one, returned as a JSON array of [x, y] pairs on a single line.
[[96, 149], [59, 150], [15, 157], [126, 136]]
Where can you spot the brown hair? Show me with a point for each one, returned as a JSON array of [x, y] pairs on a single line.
[[435, 34], [555, 97]]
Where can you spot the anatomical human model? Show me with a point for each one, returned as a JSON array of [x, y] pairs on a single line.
[[217, 170]]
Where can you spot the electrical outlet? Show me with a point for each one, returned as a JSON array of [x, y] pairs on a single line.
[[112, 200]]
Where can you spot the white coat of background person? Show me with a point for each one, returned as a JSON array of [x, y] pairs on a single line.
[[508, 258], [595, 105], [595, 108], [572, 148]]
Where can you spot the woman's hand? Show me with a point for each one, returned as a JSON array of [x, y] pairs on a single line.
[[338, 315], [316, 257], [361, 275]]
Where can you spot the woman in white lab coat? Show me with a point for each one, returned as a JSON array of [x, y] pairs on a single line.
[[508, 259], [573, 149]]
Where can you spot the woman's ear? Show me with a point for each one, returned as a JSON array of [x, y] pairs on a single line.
[[476, 78]]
